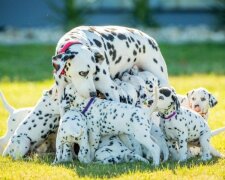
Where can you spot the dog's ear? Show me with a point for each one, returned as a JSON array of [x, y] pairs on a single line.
[[176, 101], [59, 60], [189, 94], [212, 100]]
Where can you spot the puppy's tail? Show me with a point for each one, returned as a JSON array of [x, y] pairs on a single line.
[[217, 131], [7, 106]]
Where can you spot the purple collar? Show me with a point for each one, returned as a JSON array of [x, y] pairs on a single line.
[[171, 115], [88, 105]]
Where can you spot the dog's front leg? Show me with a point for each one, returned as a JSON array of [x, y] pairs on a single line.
[[84, 154], [183, 149], [94, 138]]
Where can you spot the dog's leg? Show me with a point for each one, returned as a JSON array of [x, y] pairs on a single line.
[[173, 149], [67, 153], [94, 138], [205, 146], [132, 157], [84, 154], [144, 138], [158, 136], [59, 150], [182, 148]]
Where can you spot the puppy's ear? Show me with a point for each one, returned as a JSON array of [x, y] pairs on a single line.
[[189, 94], [212, 100], [177, 103]]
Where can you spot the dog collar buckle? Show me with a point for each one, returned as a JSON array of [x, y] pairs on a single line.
[[88, 105]]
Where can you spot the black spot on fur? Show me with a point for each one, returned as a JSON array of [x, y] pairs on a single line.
[[98, 43], [121, 36]]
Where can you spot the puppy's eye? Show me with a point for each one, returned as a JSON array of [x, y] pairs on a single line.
[[203, 99], [161, 97], [83, 73], [193, 99]]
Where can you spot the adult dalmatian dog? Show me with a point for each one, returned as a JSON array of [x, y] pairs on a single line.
[[89, 56]]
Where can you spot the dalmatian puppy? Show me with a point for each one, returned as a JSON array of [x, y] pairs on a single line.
[[199, 100], [35, 128], [72, 129], [89, 56], [127, 91], [111, 150], [183, 126], [112, 118], [15, 117], [140, 87], [144, 96]]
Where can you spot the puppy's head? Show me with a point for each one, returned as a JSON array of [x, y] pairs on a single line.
[[17, 147], [167, 100], [79, 66], [200, 100]]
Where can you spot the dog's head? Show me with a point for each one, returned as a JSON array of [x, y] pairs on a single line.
[[78, 64], [17, 147], [150, 80], [200, 100], [167, 101]]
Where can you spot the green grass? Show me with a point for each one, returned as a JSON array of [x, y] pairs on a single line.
[[23, 83]]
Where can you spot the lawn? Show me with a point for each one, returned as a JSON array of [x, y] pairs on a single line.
[[25, 71]]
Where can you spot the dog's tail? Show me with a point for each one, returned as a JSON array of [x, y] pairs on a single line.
[[7, 106], [217, 131]]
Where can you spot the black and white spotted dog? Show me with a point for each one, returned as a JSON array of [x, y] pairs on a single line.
[[36, 127], [199, 100], [183, 126], [89, 56], [111, 150], [72, 129], [111, 118]]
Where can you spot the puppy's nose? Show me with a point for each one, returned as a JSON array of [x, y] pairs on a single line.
[[197, 108], [93, 94]]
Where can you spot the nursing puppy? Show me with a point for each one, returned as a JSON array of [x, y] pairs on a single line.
[[111, 118], [182, 126], [42, 121]]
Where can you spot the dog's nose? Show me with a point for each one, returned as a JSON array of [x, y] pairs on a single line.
[[93, 94], [197, 108]]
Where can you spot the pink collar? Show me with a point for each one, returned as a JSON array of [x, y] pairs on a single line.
[[171, 115], [67, 45]]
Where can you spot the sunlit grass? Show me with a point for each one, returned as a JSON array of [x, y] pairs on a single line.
[[22, 94]]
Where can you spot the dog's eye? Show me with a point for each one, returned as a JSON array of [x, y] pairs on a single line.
[[203, 99], [83, 73], [161, 97], [193, 99]]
